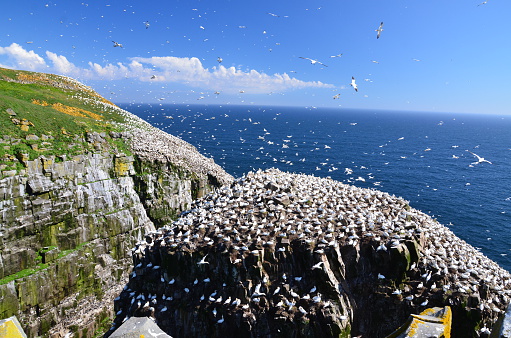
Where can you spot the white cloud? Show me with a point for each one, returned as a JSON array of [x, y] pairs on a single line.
[[192, 72], [189, 71], [23, 59], [62, 65]]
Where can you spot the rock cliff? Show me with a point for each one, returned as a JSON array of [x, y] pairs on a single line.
[[285, 255], [81, 182]]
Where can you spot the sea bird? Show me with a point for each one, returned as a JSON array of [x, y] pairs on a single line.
[[317, 266], [379, 30], [313, 62], [353, 84], [203, 260], [117, 44], [479, 158]]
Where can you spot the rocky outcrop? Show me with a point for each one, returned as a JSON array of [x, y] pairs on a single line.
[[67, 226], [285, 255]]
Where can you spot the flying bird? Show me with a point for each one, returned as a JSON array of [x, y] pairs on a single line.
[[219, 59], [147, 24], [203, 260], [318, 265], [117, 44], [479, 159], [336, 56], [353, 84], [313, 62], [277, 16], [336, 96], [482, 3], [379, 30]]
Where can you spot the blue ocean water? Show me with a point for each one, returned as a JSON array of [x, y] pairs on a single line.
[[422, 157]]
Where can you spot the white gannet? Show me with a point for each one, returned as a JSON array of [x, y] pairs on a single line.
[[116, 44], [313, 61], [257, 292], [479, 158], [277, 16], [379, 30], [317, 266], [353, 84], [203, 260]]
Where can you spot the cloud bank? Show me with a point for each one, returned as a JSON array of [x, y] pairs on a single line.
[[168, 69]]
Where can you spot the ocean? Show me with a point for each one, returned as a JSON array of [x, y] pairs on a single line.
[[426, 158]]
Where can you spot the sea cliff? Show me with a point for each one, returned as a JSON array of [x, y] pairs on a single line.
[[76, 194]]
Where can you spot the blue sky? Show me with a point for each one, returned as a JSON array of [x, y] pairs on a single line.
[[448, 56]]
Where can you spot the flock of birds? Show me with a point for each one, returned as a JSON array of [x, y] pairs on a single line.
[[264, 144], [266, 217], [379, 30], [312, 61]]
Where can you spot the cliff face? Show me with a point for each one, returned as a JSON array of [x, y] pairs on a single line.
[[75, 196], [285, 255]]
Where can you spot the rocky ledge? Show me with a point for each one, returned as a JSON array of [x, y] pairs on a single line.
[[288, 255]]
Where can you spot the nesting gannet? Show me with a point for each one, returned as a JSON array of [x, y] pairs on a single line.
[[353, 84], [313, 61], [257, 292], [479, 158], [379, 30]]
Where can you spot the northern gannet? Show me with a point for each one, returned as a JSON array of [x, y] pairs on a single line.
[[379, 30]]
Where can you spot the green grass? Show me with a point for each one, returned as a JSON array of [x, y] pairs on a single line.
[[23, 273], [62, 128], [40, 266]]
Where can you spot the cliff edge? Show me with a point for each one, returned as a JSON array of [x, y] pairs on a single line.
[[81, 181]]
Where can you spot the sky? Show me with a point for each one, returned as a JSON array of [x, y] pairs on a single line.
[[438, 56]]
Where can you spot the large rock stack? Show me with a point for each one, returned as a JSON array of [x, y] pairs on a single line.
[[279, 254]]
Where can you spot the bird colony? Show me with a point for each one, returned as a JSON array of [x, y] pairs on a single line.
[[278, 253]]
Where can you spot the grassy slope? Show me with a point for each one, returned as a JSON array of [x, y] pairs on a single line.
[[72, 110]]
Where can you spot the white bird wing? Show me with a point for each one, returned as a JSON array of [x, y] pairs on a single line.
[[479, 158]]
